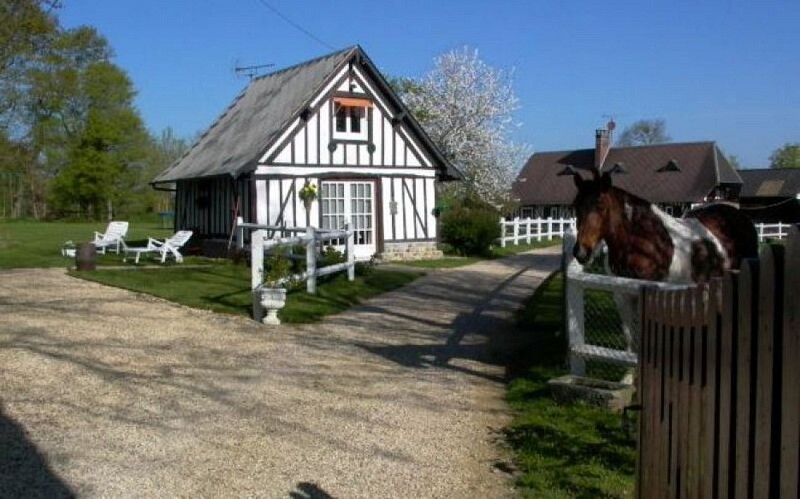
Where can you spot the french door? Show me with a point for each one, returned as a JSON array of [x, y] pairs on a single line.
[[351, 201]]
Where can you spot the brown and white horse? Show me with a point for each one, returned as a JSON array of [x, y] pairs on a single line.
[[644, 242]]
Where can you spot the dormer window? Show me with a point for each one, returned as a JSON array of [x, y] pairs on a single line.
[[350, 118]]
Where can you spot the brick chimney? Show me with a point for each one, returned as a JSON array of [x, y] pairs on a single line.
[[602, 143]]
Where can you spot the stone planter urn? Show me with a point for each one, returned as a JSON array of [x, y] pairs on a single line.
[[272, 299], [570, 388]]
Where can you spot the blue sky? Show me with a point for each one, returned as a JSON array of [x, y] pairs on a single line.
[[720, 70]]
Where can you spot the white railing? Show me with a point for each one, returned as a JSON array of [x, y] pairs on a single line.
[[772, 231], [530, 229], [626, 297], [262, 240]]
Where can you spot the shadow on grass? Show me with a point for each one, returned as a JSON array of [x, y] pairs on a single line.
[[24, 469], [572, 450]]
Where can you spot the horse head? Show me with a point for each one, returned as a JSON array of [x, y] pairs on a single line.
[[594, 206]]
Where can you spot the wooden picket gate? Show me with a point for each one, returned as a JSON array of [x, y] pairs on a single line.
[[719, 376]]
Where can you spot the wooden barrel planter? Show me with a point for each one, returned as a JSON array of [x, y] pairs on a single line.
[[86, 257]]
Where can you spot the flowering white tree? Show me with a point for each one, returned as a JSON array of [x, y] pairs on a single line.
[[467, 106]]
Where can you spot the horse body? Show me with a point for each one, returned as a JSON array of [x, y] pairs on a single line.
[[644, 242]]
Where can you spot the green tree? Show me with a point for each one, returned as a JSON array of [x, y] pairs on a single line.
[[644, 132], [104, 147], [787, 156]]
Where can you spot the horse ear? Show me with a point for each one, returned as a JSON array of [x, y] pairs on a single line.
[[606, 179], [578, 180]]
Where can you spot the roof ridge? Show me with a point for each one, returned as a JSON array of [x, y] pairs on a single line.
[[304, 63], [665, 144]]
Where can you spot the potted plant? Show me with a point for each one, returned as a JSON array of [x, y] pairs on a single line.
[[273, 293], [308, 194]]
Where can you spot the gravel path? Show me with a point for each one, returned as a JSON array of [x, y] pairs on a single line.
[[104, 392]]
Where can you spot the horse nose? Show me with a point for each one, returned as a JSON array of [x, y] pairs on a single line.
[[579, 253]]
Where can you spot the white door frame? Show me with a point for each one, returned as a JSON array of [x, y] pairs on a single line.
[[355, 202]]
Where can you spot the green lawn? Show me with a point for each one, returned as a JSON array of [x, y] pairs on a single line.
[[28, 243], [561, 450], [449, 262], [224, 287]]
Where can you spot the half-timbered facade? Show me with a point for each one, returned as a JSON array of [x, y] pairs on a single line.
[[333, 122]]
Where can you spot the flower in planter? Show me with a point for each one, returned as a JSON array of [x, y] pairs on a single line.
[[309, 193]]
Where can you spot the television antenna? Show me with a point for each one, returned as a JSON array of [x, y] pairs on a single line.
[[251, 71]]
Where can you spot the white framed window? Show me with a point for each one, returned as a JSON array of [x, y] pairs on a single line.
[[350, 118]]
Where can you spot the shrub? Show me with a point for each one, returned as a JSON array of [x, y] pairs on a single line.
[[470, 227]]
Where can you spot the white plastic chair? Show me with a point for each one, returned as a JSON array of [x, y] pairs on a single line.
[[169, 246], [112, 238]]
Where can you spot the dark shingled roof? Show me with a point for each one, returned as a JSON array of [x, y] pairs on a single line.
[[234, 142], [773, 182], [645, 171]]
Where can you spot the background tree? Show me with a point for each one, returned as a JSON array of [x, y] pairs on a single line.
[[644, 132], [71, 140], [787, 156], [467, 107]]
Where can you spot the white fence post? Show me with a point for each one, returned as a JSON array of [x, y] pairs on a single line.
[[502, 232], [575, 309], [257, 270], [239, 232], [516, 231], [528, 231], [311, 261], [549, 228], [760, 232], [350, 248]]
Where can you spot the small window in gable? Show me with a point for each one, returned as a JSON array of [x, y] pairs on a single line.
[[350, 118]]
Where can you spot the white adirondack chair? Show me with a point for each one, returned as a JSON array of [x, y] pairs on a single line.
[[112, 238], [169, 246]]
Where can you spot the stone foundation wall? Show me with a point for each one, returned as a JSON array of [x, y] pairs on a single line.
[[399, 252]]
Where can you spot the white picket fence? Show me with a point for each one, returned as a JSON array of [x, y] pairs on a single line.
[[772, 231], [262, 241], [626, 297], [530, 229]]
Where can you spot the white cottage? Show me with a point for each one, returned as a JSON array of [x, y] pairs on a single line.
[[334, 122]]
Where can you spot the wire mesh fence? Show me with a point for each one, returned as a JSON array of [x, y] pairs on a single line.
[[603, 327]]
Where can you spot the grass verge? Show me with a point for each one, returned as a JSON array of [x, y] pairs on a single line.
[[561, 450], [35, 244], [224, 287]]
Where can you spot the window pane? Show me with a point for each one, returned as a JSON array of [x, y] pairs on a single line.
[[341, 118], [355, 119]]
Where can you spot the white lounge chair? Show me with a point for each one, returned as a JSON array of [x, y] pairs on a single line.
[[112, 238], [169, 246]]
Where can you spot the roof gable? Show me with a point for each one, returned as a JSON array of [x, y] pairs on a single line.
[[647, 173], [264, 111]]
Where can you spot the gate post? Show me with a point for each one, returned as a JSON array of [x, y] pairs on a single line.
[[574, 297], [311, 261], [239, 233], [257, 271], [350, 248]]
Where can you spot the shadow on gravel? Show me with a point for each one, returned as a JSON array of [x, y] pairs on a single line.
[[309, 490], [480, 334], [24, 470]]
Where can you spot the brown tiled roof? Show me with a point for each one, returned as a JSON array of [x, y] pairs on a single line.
[[774, 182], [663, 173]]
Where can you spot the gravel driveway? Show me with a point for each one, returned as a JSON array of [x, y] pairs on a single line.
[[104, 392]]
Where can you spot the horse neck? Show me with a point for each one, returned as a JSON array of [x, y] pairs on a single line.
[[618, 226]]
